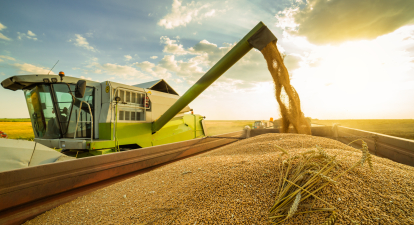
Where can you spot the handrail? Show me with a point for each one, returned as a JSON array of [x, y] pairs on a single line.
[[77, 120]]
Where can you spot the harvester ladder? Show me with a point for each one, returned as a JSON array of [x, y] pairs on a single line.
[[77, 120]]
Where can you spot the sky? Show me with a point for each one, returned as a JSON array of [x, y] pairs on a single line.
[[348, 59]]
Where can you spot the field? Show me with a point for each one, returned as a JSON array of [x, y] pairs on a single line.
[[215, 127], [17, 130], [22, 128], [399, 128], [15, 120]]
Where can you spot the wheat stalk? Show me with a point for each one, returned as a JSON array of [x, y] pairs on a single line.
[[281, 149], [295, 205], [324, 177], [322, 152], [331, 220]]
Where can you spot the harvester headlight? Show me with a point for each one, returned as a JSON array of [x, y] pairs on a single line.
[[46, 80], [54, 80]]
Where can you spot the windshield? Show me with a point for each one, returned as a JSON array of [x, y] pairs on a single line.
[[54, 112], [41, 110]]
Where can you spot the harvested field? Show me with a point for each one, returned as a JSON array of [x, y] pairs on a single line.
[[237, 184]]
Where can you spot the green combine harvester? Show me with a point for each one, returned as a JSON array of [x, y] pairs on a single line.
[[86, 118]]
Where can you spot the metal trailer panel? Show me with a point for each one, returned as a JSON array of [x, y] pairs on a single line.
[[397, 149], [21, 186], [394, 148]]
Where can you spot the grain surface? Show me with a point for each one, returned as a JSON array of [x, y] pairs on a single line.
[[236, 184]]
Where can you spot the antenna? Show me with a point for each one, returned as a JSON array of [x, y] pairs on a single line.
[[53, 67]]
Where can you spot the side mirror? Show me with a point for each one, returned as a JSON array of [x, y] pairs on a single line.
[[80, 88]]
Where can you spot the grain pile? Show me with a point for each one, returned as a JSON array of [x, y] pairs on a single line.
[[237, 184], [286, 95]]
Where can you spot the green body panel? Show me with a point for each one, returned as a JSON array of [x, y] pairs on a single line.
[[106, 131], [101, 144], [178, 129], [198, 128], [134, 133], [205, 81]]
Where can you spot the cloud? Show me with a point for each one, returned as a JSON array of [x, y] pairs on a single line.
[[209, 14], [2, 36], [82, 42], [292, 61], [181, 15], [86, 78], [127, 57], [172, 47], [336, 21], [123, 71], [154, 57], [153, 70], [210, 50], [29, 68], [189, 70], [30, 35], [202, 56], [5, 57]]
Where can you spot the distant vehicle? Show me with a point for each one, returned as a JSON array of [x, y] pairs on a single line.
[[258, 125], [3, 135]]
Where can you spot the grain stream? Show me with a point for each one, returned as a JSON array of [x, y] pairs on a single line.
[[236, 184]]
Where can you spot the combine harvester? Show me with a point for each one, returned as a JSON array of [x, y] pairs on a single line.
[[141, 126]]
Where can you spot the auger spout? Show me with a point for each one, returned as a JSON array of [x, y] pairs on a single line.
[[258, 38]]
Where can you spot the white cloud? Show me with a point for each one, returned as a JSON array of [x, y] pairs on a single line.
[[82, 42], [251, 68], [123, 71], [151, 68], [172, 47], [337, 21], [285, 19], [190, 69], [86, 78], [30, 35], [178, 81], [181, 15], [2, 36], [127, 57], [154, 57], [5, 57], [209, 14], [29, 68]]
